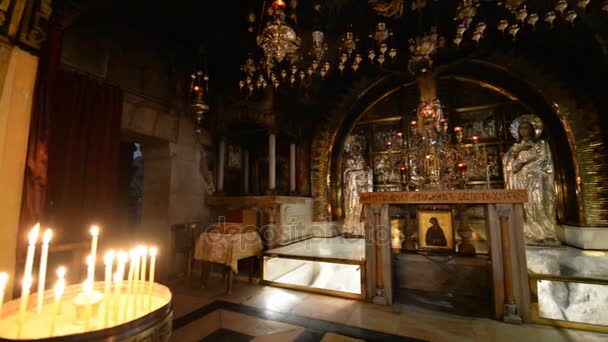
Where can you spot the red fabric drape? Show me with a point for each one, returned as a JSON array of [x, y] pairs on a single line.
[[83, 155], [35, 181]]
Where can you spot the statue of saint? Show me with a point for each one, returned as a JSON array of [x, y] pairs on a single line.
[[358, 178], [528, 165]]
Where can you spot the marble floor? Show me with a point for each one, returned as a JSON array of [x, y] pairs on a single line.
[[262, 313]]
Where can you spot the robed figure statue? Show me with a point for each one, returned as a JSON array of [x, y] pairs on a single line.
[[528, 165], [358, 177]]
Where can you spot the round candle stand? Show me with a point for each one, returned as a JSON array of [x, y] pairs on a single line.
[[150, 321]]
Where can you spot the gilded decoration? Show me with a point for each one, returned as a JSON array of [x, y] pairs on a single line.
[[25, 19]]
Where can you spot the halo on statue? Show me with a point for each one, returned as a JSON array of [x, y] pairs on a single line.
[[531, 118], [354, 140]]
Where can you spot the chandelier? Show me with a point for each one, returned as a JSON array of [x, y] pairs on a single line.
[[199, 88], [287, 64]]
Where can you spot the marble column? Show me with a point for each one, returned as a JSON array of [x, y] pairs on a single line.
[[292, 168], [221, 160], [246, 172], [272, 162]]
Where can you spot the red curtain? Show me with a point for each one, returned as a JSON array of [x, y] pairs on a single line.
[[84, 155], [36, 180]]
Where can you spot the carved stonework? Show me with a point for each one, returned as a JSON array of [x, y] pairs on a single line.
[[35, 22]]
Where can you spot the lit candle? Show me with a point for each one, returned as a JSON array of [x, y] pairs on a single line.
[[389, 144], [88, 291], [46, 238], [475, 139], [94, 234], [117, 289], [413, 123], [25, 293], [61, 277], [108, 261], [462, 166], [118, 301], [133, 255], [458, 129], [31, 249], [153, 251], [399, 134], [27, 276], [58, 291], [3, 281], [142, 277], [136, 280]]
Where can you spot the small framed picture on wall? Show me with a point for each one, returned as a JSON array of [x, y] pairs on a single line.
[[435, 230]]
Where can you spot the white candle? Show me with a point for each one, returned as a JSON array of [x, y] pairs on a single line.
[[118, 301], [61, 277], [58, 291], [94, 234], [46, 238], [117, 290], [27, 277], [108, 261], [136, 280], [143, 252], [130, 283], [3, 281], [31, 249], [25, 293], [88, 291], [153, 252]]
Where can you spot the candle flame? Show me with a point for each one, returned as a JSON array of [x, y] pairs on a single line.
[[134, 253], [61, 272], [3, 279], [46, 238], [122, 257], [116, 277], [143, 251], [33, 236], [94, 231], [109, 257], [153, 251]]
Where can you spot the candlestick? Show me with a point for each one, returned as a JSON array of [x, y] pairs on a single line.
[[46, 238], [142, 277], [153, 252], [94, 234], [58, 291], [88, 291], [108, 261], [3, 281]]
